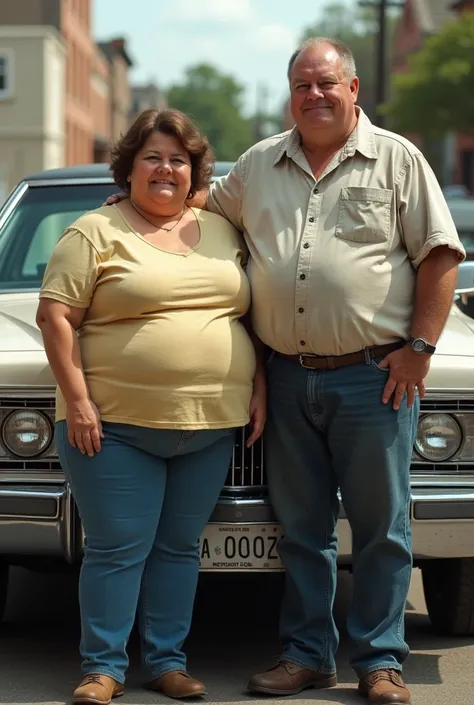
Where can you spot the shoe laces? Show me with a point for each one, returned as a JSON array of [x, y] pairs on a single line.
[[389, 675], [93, 678]]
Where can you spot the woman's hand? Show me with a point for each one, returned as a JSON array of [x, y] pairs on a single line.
[[84, 428], [258, 412]]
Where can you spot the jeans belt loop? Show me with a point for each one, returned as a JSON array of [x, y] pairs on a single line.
[[367, 356]]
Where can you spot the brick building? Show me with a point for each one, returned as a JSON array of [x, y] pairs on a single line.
[[90, 83], [119, 62]]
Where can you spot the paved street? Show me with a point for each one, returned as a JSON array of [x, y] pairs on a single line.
[[234, 634]]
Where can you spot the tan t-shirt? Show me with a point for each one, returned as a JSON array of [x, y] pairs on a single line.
[[333, 261], [162, 343]]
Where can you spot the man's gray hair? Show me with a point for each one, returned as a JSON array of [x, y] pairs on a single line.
[[346, 55]]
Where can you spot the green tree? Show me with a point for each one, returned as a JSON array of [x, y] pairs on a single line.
[[436, 96], [214, 100], [356, 26]]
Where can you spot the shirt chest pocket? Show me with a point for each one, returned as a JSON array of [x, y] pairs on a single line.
[[364, 214]]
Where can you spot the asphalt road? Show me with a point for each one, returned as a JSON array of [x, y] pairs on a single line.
[[234, 635]]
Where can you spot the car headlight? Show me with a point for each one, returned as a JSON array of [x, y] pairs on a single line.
[[438, 437], [26, 433]]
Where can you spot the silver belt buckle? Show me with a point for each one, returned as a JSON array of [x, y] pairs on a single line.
[[300, 357]]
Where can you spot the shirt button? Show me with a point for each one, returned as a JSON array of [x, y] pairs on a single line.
[[316, 190], [306, 245], [311, 220], [301, 310], [302, 342], [302, 276]]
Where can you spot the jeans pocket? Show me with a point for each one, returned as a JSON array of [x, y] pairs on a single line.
[[375, 364]]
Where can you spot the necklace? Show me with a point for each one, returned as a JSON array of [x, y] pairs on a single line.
[[161, 227]]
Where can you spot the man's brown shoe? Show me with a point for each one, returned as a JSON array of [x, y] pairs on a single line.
[[288, 679], [177, 684], [383, 687], [96, 689]]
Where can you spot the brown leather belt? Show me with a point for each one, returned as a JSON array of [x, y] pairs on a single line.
[[333, 362]]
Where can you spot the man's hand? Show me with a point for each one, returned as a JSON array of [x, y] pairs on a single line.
[[257, 412], [408, 370], [84, 428], [115, 198]]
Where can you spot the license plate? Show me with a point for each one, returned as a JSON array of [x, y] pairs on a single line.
[[246, 547]]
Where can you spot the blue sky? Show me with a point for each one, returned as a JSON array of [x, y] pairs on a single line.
[[252, 39]]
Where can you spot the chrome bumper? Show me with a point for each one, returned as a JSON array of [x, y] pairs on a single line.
[[38, 520], [442, 522], [42, 520]]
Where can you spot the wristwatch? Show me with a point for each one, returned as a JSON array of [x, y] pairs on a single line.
[[420, 346]]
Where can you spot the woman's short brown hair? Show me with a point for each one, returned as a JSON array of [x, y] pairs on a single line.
[[169, 122]]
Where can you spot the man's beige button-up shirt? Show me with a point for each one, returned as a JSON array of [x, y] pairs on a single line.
[[333, 261]]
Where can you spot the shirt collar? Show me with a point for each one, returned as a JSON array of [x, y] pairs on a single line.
[[361, 140]]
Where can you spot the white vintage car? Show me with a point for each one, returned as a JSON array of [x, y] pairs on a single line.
[[39, 524]]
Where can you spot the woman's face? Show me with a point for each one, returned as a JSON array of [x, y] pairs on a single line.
[[161, 173]]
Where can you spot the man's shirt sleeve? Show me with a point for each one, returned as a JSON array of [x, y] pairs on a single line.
[[425, 219], [226, 193]]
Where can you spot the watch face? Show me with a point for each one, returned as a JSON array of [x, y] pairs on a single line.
[[419, 345]]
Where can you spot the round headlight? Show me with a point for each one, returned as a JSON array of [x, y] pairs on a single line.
[[26, 433], [438, 437]]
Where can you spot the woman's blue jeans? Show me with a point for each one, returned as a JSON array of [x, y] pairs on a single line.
[[144, 501]]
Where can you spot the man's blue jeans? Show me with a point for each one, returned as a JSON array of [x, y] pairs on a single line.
[[329, 430], [144, 500]]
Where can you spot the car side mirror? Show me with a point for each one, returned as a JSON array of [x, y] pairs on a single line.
[[465, 282]]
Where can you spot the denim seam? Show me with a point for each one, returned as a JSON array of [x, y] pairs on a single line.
[[167, 669], [383, 666], [184, 439], [316, 381], [328, 605], [407, 522], [105, 672], [146, 625]]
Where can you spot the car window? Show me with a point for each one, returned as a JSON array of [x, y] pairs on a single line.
[[32, 230]]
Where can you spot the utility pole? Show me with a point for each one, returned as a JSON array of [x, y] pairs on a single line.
[[381, 53]]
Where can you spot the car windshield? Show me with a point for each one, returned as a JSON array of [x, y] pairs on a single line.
[[33, 228]]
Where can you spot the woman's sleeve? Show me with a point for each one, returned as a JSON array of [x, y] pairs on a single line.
[[72, 270]]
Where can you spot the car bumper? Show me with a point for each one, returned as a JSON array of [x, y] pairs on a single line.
[[42, 520], [442, 522], [37, 520]]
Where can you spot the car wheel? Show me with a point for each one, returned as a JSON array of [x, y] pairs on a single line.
[[448, 585], [4, 575]]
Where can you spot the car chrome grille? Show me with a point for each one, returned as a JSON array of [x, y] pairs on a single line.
[[247, 470], [40, 403], [35, 465], [442, 469], [448, 405], [247, 474]]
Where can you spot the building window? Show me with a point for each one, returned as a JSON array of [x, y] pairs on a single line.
[[6, 73]]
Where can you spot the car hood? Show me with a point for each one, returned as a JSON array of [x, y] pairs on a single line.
[[22, 352], [18, 330]]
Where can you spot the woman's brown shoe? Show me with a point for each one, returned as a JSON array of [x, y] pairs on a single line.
[[178, 685], [96, 689]]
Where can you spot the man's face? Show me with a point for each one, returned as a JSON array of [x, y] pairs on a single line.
[[321, 94]]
